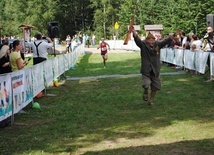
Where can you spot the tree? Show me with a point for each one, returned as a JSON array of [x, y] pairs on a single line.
[[99, 16]]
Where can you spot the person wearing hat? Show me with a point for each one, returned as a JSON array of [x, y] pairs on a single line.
[[103, 46], [4, 60], [150, 63]]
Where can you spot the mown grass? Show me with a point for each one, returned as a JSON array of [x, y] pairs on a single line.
[[108, 116], [117, 63]]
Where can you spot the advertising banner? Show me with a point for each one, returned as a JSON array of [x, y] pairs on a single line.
[[18, 88], [28, 87], [5, 97], [48, 72], [38, 78], [201, 61]]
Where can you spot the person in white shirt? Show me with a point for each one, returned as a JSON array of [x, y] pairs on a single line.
[[184, 39], [40, 48], [68, 43]]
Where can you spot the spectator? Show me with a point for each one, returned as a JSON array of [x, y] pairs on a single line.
[[183, 39], [74, 44], [16, 61], [5, 42], [208, 40], [93, 40], [208, 46], [68, 43], [40, 48], [4, 60], [88, 40], [196, 44]]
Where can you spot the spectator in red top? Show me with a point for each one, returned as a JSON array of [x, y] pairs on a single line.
[[103, 46]]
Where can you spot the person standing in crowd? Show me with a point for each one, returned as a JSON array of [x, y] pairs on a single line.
[[4, 42], [208, 46], [16, 61], [74, 44], [4, 60], [208, 40], [196, 44], [93, 40], [104, 50], [184, 40], [88, 38], [68, 43], [40, 48], [150, 63]]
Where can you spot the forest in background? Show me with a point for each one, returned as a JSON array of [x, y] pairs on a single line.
[[99, 16]]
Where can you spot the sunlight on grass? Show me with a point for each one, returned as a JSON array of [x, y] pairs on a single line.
[[107, 116], [183, 80], [177, 132], [96, 69], [85, 80]]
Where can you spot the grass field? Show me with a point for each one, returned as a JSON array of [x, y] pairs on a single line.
[[108, 116]]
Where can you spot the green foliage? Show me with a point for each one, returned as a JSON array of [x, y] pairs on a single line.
[[99, 16]]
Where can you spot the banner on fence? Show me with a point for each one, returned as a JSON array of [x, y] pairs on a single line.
[[28, 87], [179, 54], [170, 55], [38, 78], [201, 61], [163, 54], [61, 65], [212, 64], [5, 97], [18, 89], [48, 72], [189, 59], [56, 72], [66, 61]]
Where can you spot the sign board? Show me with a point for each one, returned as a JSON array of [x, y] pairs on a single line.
[[156, 30], [116, 25]]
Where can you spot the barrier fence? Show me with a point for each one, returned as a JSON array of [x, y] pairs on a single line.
[[17, 89], [195, 61]]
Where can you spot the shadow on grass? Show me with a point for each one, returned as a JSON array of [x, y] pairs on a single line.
[[184, 147], [93, 113]]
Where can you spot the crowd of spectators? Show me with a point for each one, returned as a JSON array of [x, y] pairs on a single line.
[[194, 43], [72, 43]]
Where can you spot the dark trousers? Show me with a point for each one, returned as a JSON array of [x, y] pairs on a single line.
[[38, 60]]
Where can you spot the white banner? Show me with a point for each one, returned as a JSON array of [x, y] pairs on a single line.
[[61, 65], [48, 72], [179, 54], [211, 63], [163, 54], [73, 58], [201, 61], [66, 61], [6, 105], [18, 89], [38, 78], [170, 55], [55, 67], [28, 87], [189, 59], [118, 44]]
